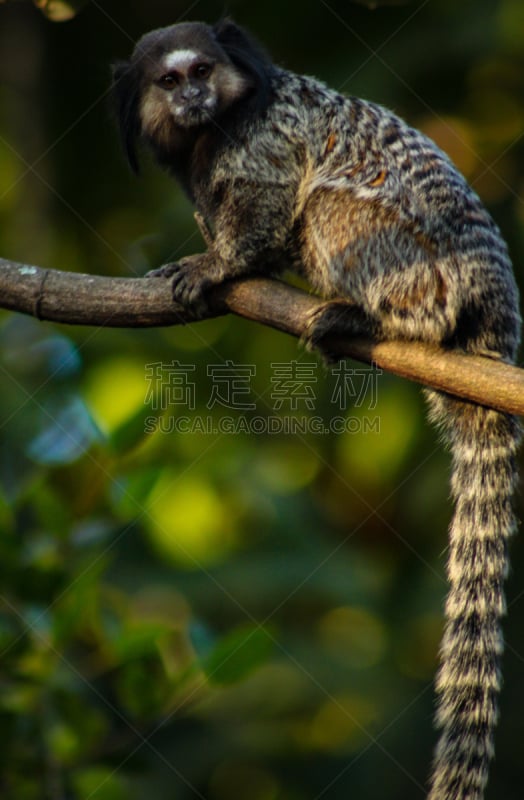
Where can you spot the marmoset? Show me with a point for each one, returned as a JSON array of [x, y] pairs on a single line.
[[289, 174]]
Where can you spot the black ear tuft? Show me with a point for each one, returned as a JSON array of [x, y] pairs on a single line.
[[246, 53], [125, 95]]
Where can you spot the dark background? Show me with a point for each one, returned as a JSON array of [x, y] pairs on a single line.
[[208, 615]]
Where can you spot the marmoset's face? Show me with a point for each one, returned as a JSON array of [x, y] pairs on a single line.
[[187, 79]]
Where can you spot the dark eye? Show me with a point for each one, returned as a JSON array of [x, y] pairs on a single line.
[[202, 71], [168, 81]]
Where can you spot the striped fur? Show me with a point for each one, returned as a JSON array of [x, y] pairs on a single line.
[[483, 444]]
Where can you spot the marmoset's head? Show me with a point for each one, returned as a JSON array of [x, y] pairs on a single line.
[[183, 78]]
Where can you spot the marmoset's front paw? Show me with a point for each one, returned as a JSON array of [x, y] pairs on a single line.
[[191, 277]]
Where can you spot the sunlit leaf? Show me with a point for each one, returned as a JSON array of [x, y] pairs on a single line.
[[116, 390], [188, 520], [59, 10]]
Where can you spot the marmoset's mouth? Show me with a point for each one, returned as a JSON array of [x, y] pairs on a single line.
[[190, 115]]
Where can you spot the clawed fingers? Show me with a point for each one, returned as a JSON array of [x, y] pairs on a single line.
[[190, 278], [166, 271]]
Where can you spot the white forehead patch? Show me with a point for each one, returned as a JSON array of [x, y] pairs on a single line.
[[179, 57]]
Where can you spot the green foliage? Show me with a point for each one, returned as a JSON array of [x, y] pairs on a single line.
[[237, 655], [207, 589]]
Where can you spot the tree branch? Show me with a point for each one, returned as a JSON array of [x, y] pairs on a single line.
[[77, 299]]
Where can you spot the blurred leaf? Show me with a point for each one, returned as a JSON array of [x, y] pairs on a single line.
[[92, 531], [143, 688], [76, 727], [52, 513], [59, 10], [42, 553], [116, 389], [138, 641], [344, 722], [129, 493], [511, 24], [201, 638], [132, 431], [102, 783], [286, 467], [68, 432], [354, 635], [27, 348], [239, 653], [188, 520], [375, 456], [63, 741], [78, 606], [6, 515], [20, 698], [234, 779]]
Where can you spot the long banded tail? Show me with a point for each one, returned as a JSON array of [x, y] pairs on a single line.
[[483, 444]]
